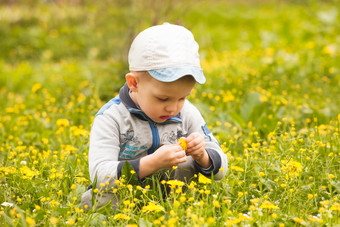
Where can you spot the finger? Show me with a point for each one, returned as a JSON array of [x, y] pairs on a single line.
[[195, 152], [191, 137], [196, 147], [180, 154], [183, 159], [177, 147], [196, 144], [195, 141]]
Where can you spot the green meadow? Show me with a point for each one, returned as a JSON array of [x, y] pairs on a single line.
[[272, 99]]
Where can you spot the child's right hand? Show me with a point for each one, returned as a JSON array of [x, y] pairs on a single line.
[[169, 155]]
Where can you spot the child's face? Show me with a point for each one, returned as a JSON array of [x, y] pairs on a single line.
[[160, 100]]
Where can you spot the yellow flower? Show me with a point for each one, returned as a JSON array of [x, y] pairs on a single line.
[[194, 217], [322, 210], [175, 183], [54, 220], [36, 87], [268, 205], [293, 168], [156, 222], [211, 220], [27, 173], [298, 220], [63, 123], [335, 207], [216, 204], [331, 176], [126, 202], [152, 207], [121, 216], [70, 222], [183, 143], [79, 131], [172, 213], [172, 221], [237, 168], [192, 185], [256, 200], [204, 180], [314, 219], [324, 202], [30, 221]]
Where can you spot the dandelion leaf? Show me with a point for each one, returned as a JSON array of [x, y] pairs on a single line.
[[130, 174], [237, 119], [336, 185], [97, 219], [144, 223]]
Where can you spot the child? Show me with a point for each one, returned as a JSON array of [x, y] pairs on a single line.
[[142, 124]]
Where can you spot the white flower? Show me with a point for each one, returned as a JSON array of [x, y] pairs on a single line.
[[7, 204]]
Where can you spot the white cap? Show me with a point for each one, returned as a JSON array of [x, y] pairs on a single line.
[[168, 52]]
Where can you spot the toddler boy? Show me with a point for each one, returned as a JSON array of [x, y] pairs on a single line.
[[142, 124]]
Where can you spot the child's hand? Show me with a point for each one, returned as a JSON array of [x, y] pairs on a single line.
[[169, 155], [196, 149]]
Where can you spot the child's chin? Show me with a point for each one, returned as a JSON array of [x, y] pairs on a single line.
[[160, 120]]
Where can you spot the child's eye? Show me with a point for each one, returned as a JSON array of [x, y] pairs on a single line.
[[162, 100]]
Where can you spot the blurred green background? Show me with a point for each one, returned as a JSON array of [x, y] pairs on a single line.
[[278, 56]]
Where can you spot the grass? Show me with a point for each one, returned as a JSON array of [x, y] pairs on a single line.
[[272, 99]]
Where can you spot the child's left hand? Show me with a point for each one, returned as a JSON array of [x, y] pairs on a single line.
[[196, 149]]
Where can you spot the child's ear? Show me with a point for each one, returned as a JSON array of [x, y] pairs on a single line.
[[132, 81]]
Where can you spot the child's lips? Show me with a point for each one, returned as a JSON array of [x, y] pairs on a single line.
[[165, 117]]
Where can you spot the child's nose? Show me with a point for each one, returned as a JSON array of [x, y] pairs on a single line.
[[172, 107]]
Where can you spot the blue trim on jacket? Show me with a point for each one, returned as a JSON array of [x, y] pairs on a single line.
[[115, 100]]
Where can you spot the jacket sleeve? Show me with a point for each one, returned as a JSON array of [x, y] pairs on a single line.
[[104, 150], [196, 123]]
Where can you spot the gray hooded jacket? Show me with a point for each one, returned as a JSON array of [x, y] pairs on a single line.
[[122, 132]]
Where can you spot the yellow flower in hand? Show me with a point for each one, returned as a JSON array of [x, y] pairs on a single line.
[[183, 143]]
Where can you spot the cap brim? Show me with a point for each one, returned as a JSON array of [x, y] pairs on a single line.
[[174, 73]]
